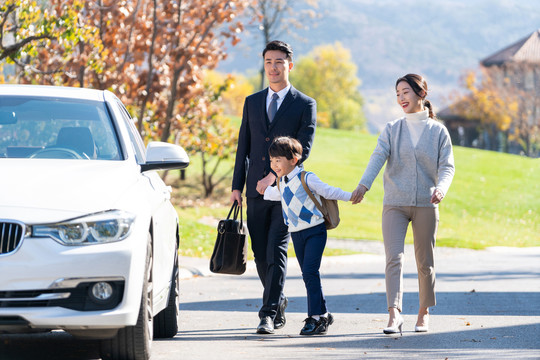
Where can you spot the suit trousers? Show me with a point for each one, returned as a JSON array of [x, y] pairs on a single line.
[[395, 220], [269, 242], [309, 247]]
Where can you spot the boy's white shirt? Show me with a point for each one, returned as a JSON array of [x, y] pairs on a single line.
[[315, 185]]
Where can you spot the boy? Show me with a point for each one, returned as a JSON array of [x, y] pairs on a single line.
[[305, 222]]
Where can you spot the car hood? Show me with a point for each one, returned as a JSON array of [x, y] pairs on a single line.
[[42, 190]]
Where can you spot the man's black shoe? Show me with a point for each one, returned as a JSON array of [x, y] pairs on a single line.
[[280, 319], [266, 326]]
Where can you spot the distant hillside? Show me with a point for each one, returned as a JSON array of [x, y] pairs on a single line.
[[388, 38]]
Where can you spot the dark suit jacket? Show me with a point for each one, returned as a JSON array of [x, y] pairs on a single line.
[[296, 117]]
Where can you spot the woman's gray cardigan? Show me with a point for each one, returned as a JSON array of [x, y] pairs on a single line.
[[412, 173]]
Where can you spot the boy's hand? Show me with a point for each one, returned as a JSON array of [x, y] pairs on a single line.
[[358, 194]]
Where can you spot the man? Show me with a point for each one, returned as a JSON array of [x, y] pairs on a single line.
[[279, 110]]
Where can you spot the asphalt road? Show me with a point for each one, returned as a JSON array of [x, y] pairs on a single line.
[[488, 308]]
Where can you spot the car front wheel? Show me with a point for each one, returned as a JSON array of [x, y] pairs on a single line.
[[134, 342]]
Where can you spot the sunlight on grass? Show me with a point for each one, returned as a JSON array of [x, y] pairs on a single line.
[[494, 199]]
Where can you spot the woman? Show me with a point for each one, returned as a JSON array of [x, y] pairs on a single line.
[[419, 169]]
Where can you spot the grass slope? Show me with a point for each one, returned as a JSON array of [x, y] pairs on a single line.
[[494, 199]]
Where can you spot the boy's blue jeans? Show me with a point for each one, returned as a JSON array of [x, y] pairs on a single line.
[[309, 246]]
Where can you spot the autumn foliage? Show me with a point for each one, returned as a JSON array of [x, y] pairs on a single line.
[[499, 101], [152, 54]]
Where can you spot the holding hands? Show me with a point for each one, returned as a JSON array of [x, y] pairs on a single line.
[[358, 194], [265, 182]]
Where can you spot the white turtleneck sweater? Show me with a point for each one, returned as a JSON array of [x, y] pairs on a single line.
[[416, 122]]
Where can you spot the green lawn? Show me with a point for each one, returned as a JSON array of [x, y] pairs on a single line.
[[494, 199]]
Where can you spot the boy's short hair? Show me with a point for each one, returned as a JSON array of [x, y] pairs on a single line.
[[287, 147], [280, 46]]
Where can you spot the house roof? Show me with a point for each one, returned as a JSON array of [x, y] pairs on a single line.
[[525, 50]]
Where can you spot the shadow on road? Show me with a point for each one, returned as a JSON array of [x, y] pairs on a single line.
[[490, 338], [448, 303]]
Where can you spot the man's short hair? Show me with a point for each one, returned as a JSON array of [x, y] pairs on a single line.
[[280, 46], [287, 147]]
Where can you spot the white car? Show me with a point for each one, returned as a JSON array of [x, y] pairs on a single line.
[[88, 237]]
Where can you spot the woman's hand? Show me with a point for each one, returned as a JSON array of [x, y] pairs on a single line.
[[437, 196], [358, 194]]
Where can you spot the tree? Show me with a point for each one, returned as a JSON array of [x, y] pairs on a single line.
[[517, 81], [155, 57], [273, 18], [210, 133], [231, 101], [27, 28], [329, 75], [493, 106]]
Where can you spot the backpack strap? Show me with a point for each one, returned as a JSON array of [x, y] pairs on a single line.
[[277, 183], [310, 194]]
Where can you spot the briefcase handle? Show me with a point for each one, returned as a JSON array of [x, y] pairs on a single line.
[[235, 209]]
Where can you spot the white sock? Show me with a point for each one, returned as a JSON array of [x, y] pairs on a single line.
[[316, 317]]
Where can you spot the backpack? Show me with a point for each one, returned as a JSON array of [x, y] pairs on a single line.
[[329, 208]]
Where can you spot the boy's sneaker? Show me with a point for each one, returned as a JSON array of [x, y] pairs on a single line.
[[317, 327]]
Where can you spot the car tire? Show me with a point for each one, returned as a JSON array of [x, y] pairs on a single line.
[[166, 321], [134, 342]]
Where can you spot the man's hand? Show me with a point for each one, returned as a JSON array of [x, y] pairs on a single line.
[[236, 195], [265, 182], [358, 194]]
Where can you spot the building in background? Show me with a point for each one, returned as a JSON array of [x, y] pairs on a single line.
[[514, 75]]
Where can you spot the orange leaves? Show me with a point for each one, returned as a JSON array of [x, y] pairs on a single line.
[[489, 102], [152, 54]]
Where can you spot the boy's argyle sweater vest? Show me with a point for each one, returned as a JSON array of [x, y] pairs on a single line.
[[299, 211]]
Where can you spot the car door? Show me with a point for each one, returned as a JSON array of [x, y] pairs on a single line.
[[164, 218]]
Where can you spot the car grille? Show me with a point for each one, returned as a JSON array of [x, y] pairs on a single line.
[[11, 235]]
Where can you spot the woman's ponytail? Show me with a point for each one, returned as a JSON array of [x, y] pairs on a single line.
[[427, 104]]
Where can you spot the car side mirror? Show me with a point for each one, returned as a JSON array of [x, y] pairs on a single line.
[[164, 156]]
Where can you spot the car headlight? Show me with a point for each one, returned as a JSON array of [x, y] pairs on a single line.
[[104, 227]]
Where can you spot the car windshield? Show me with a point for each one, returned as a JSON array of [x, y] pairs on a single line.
[[56, 128]]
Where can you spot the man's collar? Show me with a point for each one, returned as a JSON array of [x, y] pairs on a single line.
[[281, 93]]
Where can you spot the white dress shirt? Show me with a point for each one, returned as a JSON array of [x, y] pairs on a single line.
[[282, 93], [314, 184]]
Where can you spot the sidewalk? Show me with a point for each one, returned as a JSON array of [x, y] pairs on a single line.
[[190, 266], [488, 307]]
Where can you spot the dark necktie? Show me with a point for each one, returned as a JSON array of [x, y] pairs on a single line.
[[272, 109]]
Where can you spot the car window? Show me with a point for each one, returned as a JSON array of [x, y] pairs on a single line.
[[135, 137], [56, 128]]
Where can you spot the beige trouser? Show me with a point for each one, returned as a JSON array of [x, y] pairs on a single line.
[[395, 220]]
